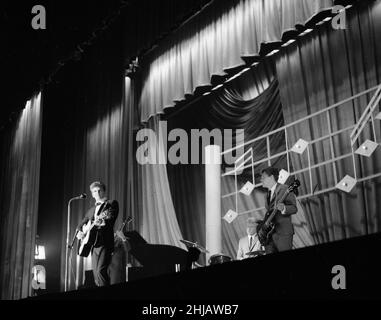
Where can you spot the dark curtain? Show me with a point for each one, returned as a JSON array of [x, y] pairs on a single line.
[[252, 103], [95, 129], [19, 188], [325, 67]]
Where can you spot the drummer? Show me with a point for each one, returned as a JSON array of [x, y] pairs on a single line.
[[250, 242]]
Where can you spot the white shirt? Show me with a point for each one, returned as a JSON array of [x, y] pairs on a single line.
[[253, 241], [256, 245]]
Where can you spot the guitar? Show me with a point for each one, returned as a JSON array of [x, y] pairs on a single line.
[[119, 233], [266, 227], [90, 232]]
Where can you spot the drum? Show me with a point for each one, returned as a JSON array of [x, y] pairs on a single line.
[[218, 259]]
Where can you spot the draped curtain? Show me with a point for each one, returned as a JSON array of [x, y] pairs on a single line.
[[159, 221], [213, 41], [19, 188], [323, 68], [252, 103]]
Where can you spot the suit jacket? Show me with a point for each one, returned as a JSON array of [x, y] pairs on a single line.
[[105, 234], [243, 247], [283, 224]]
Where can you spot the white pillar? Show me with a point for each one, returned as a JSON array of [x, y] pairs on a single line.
[[213, 199]]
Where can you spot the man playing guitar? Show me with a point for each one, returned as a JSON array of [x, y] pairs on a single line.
[[281, 239], [99, 220]]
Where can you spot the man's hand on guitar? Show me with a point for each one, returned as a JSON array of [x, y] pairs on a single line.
[[100, 220], [80, 235], [281, 208], [121, 235]]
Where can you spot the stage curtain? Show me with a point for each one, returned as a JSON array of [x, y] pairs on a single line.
[[252, 103], [97, 105], [158, 222], [213, 41], [19, 187], [325, 67]]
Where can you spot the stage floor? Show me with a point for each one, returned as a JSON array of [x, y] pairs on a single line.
[[347, 269]]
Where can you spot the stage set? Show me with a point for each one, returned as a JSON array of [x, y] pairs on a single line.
[[191, 150]]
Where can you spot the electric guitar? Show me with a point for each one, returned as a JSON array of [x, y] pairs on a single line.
[[266, 227], [89, 229]]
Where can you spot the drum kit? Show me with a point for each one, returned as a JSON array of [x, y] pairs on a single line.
[[220, 257]]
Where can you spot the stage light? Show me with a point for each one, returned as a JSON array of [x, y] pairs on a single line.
[[230, 216], [323, 21], [247, 188], [233, 77], [239, 73], [346, 184], [305, 32], [272, 52], [40, 252], [217, 87], [288, 43], [39, 277], [300, 146], [367, 148]]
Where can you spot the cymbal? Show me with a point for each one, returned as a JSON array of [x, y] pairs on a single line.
[[255, 253], [194, 245]]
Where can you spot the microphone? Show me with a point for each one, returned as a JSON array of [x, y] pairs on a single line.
[[81, 196]]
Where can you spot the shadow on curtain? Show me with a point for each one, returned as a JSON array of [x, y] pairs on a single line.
[[19, 201], [321, 69]]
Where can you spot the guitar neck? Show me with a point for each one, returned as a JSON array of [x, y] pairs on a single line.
[[123, 224]]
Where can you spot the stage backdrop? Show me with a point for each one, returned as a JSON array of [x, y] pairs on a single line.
[[250, 102], [19, 188], [325, 67]]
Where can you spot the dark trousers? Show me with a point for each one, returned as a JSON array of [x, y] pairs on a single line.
[[279, 243], [101, 258]]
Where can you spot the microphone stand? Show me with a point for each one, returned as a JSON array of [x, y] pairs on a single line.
[[129, 220], [68, 246]]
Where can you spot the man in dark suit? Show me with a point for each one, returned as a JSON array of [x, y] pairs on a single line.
[[284, 230], [103, 247]]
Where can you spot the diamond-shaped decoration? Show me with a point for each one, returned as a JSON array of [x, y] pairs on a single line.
[[230, 216], [300, 146], [378, 117], [367, 148], [247, 188], [283, 176], [346, 184]]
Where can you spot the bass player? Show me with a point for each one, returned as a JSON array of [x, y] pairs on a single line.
[[281, 239]]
